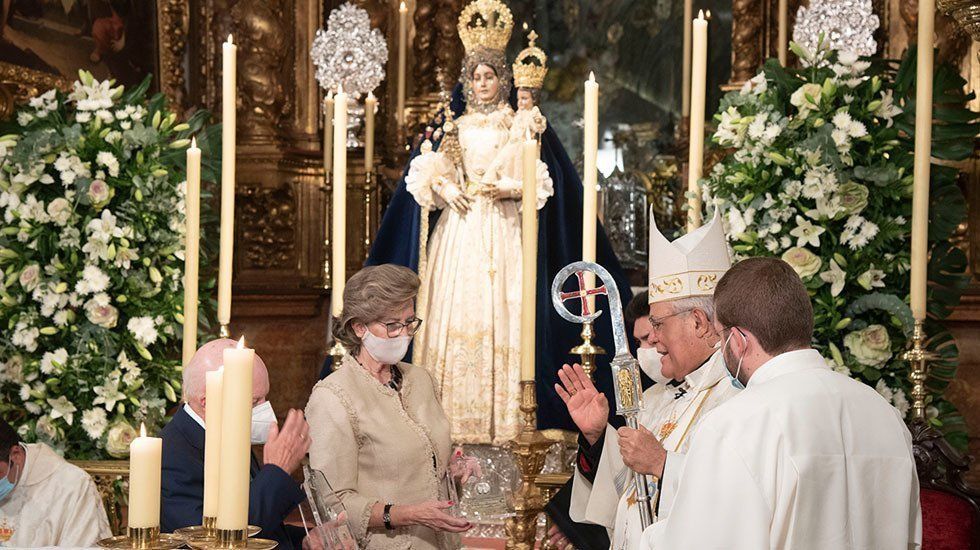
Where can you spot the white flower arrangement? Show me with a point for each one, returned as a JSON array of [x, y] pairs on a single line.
[[819, 173], [91, 251]]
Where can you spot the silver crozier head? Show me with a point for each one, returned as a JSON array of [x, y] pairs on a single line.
[[625, 369]]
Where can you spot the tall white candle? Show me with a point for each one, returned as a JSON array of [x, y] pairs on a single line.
[[212, 439], [144, 481], [695, 160], [328, 132], [192, 237], [923, 155], [229, 97], [338, 238], [370, 105], [402, 60], [782, 33], [590, 177], [529, 256], [686, 61], [236, 429]]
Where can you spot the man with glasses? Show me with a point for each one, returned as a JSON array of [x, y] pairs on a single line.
[[685, 361], [805, 457]]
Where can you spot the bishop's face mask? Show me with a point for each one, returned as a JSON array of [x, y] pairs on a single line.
[[733, 378], [6, 483], [651, 362], [263, 417]]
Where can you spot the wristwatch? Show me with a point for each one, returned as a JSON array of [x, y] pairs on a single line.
[[387, 517]]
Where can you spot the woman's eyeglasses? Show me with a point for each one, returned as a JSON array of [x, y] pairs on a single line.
[[395, 328]]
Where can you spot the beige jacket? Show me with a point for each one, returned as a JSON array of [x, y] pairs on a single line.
[[374, 444]]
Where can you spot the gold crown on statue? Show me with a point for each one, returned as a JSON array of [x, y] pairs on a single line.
[[485, 24], [531, 65]]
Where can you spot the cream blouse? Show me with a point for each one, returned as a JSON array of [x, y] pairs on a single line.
[[374, 444]]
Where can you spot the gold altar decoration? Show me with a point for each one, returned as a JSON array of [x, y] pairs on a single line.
[[919, 357], [485, 24], [143, 538], [530, 448]]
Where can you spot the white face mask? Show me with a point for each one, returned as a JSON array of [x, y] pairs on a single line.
[[386, 351], [263, 417], [651, 363]]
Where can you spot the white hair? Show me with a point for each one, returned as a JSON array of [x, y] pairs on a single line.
[[705, 303]]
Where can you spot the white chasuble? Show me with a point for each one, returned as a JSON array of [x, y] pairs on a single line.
[[470, 298], [804, 458], [672, 414], [54, 504]]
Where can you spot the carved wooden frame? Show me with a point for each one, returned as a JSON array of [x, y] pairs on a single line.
[[20, 83]]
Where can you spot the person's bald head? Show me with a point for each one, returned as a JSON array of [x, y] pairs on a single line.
[[210, 357]]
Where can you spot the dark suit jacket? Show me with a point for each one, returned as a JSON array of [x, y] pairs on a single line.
[[273, 494]]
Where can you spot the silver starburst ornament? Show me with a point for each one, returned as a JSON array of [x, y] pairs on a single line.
[[848, 26], [351, 54]]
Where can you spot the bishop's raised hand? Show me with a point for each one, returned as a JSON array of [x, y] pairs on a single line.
[[587, 406]]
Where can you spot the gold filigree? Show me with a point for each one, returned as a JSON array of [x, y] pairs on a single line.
[[626, 394], [707, 282], [485, 24], [531, 65], [667, 286]]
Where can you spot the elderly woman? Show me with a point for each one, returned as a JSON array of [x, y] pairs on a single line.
[[379, 434]]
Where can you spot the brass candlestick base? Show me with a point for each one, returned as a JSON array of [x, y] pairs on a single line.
[[224, 332], [919, 357], [208, 531], [226, 539], [530, 448], [143, 538], [587, 350]]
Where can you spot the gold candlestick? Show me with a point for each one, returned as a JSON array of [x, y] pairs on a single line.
[[530, 448], [368, 189], [224, 332], [587, 350], [143, 538], [919, 357], [326, 231], [226, 539]]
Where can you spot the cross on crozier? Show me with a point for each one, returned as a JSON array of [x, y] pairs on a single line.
[[582, 293]]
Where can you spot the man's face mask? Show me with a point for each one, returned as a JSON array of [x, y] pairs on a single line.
[[8, 482], [736, 383], [650, 362], [263, 417]]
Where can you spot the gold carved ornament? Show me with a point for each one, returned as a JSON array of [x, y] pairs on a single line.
[[485, 24], [531, 65]]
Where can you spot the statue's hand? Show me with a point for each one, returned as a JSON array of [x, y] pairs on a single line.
[[587, 406], [460, 203]]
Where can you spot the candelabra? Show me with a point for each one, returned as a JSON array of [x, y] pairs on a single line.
[[530, 448], [919, 357]]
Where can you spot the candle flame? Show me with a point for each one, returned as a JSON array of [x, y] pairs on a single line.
[[194, 142], [330, 94], [241, 343], [230, 41], [525, 25], [700, 15], [340, 89], [142, 429], [402, 7], [707, 15], [371, 96], [591, 76]]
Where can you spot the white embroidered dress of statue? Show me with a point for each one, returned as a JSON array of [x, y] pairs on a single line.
[[471, 277]]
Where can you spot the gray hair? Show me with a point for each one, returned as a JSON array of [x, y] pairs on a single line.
[[705, 303]]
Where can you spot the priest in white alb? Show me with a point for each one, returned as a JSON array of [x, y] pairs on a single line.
[[687, 366], [804, 457]]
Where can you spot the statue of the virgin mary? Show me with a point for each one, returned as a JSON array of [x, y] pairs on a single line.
[[462, 193]]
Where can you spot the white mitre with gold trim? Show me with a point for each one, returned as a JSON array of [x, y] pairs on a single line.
[[690, 266]]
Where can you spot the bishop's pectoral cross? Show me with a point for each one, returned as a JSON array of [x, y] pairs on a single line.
[[583, 293]]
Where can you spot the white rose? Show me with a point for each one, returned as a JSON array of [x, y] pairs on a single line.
[[101, 312], [99, 193], [30, 277], [59, 210], [805, 263], [871, 346], [121, 434]]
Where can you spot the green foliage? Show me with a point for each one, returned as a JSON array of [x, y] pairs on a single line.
[[91, 253]]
